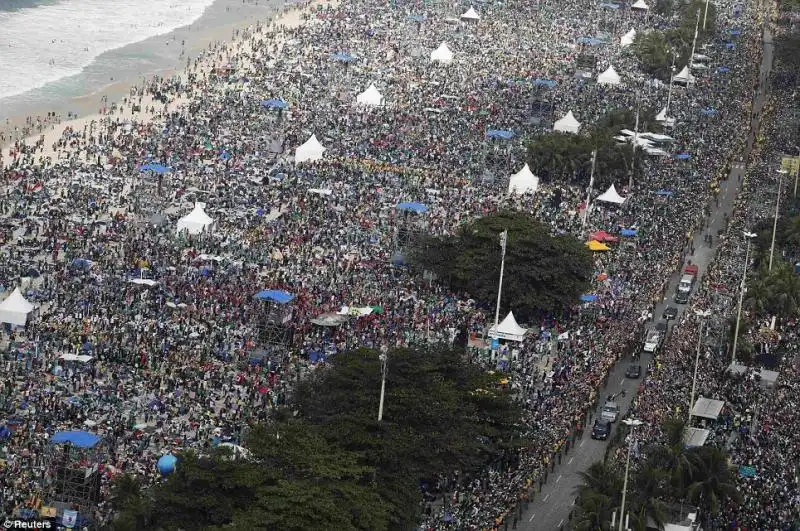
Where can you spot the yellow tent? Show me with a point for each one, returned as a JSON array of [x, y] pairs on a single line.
[[595, 245]]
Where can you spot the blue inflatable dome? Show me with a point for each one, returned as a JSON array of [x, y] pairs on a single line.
[[166, 464]]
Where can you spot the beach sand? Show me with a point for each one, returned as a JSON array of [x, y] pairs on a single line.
[[90, 113]]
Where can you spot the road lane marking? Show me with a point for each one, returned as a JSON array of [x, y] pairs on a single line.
[[622, 382], [545, 498], [559, 478], [570, 460], [573, 502], [582, 443], [532, 517], [561, 523]]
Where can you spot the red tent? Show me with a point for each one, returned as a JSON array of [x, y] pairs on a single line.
[[603, 236]]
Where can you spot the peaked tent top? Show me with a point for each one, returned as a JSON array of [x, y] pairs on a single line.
[[611, 196], [508, 329], [567, 124], [609, 77], [523, 181], [442, 54], [310, 151], [640, 5], [16, 303], [684, 76], [471, 14], [628, 38], [371, 96]]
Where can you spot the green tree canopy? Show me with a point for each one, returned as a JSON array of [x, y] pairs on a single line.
[[543, 273]]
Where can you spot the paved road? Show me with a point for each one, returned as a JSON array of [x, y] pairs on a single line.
[[551, 508]]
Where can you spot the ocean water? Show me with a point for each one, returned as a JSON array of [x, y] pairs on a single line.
[[44, 41]]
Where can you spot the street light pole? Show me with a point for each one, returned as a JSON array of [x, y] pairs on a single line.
[[589, 192], [749, 236], [503, 242], [775, 221], [635, 140], [705, 16], [632, 423], [694, 45], [700, 314], [669, 92], [384, 358]]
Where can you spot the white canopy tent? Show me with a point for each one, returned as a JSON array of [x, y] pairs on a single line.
[[568, 124], [707, 408], [442, 54], [471, 15], [310, 151], [508, 329], [195, 221], [609, 77], [371, 97], [627, 39], [684, 76], [640, 5], [611, 196], [695, 437], [15, 309], [523, 181]]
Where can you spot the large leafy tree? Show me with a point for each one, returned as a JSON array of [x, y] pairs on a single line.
[[543, 273], [715, 480], [775, 292], [440, 414]]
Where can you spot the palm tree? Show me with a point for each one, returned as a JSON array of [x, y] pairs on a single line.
[[673, 458], [714, 482], [649, 490], [129, 502], [598, 495]]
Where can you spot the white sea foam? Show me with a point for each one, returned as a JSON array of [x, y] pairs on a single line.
[[43, 44]]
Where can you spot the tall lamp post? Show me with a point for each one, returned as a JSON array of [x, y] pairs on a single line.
[[700, 314], [749, 236], [589, 191], [384, 359], [503, 242], [632, 423], [781, 173]]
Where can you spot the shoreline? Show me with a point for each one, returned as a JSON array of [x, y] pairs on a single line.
[[50, 120]]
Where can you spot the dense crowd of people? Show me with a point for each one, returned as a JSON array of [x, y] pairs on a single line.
[[179, 346]]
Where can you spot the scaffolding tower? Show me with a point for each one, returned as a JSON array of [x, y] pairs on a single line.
[[274, 323], [75, 473]]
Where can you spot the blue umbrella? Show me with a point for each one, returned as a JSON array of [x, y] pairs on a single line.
[[708, 111], [82, 263], [157, 168], [682, 156], [225, 155], [665, 193], [275, 104], [723, 69], [343, 57], [588, 297], [416, 18], [500, 134], [610, 6], [733, 32], [419, 208], [628, 232], [730, 45]]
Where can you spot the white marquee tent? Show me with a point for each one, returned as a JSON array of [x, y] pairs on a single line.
[[684, 76], [310, 151], [442, 54], [627, 39], [609, 77], [371, 97], [471, 14], [15, 309], [195, 221], [611, 196], [640, 5], [568, 124], [523, 181], [508, 329]]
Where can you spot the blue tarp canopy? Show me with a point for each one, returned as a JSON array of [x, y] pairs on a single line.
[[733, 32], [610, 6], [158, 168], [708, 111], [628, 232], [275, 295], [500, 134], [398, 260], [667, 193], [275, 103], [591, 41], [588, 297], [730, 45], [416, 18], [682, 156], [549, 83], [82, 263], [343, 57], [315, 357], [419, 208], [723, 69], [81, 439]]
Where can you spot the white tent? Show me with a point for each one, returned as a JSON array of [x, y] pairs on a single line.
[[662, 116], [508, 329], [15, 309], [371, 97], [627, 39], [611, 196], [442, 54], [568, 124], [684, 76], [609, 77], [471, 14], [310, 151], [640, 5], [523, 181], [195, 221]]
